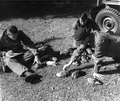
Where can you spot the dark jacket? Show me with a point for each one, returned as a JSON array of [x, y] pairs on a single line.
[[90, 25], [7, 44]]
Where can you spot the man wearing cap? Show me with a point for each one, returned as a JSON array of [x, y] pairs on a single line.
[[11, 43]]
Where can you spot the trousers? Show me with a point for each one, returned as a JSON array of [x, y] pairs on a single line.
[[19, 63], [79, 50], [106, 46]]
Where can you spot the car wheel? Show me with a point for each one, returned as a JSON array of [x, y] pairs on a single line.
[[108, 19]]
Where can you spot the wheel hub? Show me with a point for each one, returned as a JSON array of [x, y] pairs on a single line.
[[108, 23]]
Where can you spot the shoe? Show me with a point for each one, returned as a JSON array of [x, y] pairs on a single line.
[[94, 81], [30, 77]]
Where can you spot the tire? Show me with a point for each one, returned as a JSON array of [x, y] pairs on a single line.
[[108, 19]]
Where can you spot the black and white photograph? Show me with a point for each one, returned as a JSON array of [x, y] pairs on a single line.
[[59, 50]]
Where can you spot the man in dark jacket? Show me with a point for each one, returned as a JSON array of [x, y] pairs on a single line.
[[15, 56]]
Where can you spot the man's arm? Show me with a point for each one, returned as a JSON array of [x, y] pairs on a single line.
[[31, 46], [74, 56], [75, 25], [28, 42]]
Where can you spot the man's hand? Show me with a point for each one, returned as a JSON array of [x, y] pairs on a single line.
[[37, 60], [9, 53], [66, 66]]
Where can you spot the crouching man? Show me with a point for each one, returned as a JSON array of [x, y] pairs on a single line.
[[106, 44], [13, 54], [83, 38]]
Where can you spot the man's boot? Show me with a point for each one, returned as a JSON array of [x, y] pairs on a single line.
[[29, 76]]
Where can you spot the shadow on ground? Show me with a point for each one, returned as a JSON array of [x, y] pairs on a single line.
[[46, 41], [114, 71], [47, 52], [104, 71], [108, 72]]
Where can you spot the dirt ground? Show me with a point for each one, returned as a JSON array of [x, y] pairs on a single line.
[[56, 30]]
